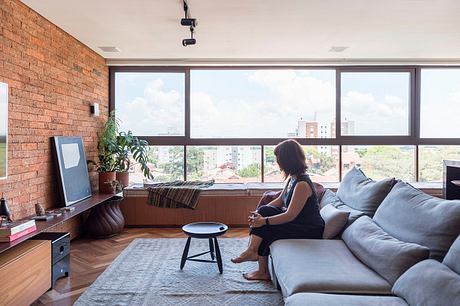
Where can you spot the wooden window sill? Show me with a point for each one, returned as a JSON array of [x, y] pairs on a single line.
[[257, 189]]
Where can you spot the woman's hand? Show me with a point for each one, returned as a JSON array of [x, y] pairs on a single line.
[[256, 220]]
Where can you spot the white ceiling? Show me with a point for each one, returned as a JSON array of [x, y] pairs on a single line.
[[263, 30]]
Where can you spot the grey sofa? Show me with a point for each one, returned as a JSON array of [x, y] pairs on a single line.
[[428, 282], [395, 238]]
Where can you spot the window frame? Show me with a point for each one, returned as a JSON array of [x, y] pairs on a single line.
[[412, 139]]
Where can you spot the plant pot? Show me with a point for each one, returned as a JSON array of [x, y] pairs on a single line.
[[105, 182], [123, 178]]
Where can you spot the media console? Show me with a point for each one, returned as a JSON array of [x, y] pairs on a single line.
[[43, 226], [28, 267]]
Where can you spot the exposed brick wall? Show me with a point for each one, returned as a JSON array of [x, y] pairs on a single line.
[[52, 79]]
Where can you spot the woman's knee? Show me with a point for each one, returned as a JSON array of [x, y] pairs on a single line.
[[268, 210]]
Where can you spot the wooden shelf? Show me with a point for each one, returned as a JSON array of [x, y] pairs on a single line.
[[42, 226]]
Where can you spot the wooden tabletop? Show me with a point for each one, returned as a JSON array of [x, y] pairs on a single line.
[[42, 226]]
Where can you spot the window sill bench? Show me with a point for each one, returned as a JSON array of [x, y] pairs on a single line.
[[257, 189]]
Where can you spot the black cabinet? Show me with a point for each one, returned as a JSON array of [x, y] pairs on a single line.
[[60, 254]]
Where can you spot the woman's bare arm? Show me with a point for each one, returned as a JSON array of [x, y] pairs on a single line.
[[278, 202], [302, 192]]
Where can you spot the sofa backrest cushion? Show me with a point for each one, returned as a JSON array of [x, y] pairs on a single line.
[[331, 198], [429, 283], [334, 220], [386, 255], [361, 193], [452, 259], [411, 215]]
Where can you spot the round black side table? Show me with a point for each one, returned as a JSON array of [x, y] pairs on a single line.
[[204, 230]]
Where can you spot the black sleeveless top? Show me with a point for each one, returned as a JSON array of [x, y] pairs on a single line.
[[309, 217]]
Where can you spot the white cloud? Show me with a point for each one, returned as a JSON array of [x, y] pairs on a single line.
[[292, 95], [440, 118], [157, 112], [388, 116]]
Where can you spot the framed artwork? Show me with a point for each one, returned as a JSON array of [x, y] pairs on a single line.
[[72, 169], [3, 130]]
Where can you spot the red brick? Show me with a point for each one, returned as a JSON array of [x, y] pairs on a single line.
[[52, 77]]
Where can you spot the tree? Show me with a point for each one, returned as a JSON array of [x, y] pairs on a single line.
[[327, 163], [269, 155], [175, 167], [388, 161], [253, 170], [195, 163]]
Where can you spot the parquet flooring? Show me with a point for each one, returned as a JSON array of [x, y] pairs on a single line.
[[90, 257]]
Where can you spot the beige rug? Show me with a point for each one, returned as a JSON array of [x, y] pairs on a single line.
[[147, 273]]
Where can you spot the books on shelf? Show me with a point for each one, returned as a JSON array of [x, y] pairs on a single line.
[[16, 227], [18, 234]]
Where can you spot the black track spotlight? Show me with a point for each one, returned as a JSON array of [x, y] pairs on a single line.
[[188, 22], [188, 41], [191, 22]]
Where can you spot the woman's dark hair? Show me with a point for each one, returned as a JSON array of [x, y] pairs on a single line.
[[290, 157]]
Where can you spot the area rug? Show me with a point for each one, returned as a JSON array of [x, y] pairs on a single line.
[[147, 273]]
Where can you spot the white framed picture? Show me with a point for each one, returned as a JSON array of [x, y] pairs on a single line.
[[3, 130]]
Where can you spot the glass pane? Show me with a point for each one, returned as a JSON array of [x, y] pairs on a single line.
[[440, 103], [430, 159], [378, 162], [322, 161], [150, 104], [375, 103], [224, 164], [262, 103], [166, 164]]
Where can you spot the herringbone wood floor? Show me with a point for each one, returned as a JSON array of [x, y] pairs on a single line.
[[90, 257]]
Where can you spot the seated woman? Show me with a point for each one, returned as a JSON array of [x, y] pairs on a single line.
[[293, 215]]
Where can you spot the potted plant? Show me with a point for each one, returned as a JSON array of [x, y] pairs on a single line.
[[107, 148], [129, 146]]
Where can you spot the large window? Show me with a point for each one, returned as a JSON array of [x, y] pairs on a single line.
[[151, 104], [430, 160], [381, 161], [224, 164], [166, 164], [322, 162], [262, 103], [375, 103], [222, 123]]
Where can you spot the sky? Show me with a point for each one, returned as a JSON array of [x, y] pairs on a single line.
[[268, 103]]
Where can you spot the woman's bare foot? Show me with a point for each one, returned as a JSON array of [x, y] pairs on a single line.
[[247, 255], [257, 275]]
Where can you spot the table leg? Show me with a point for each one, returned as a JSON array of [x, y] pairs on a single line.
[[185, 253], [211, 248], [218, 256]]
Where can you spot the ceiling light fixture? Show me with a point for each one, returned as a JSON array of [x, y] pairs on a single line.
[[188, 22], [109, 49], [338, 48]]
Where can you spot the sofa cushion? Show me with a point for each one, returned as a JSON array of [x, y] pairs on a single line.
[[452, 259], [327, 266], [429, 283], [411, 215], [331, 198], [386, 255], [361, 193], [334, 220], [321, 299]]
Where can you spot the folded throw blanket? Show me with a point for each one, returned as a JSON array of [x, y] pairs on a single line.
[[177, 194]]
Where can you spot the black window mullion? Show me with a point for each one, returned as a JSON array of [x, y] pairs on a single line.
[[262, 163]]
